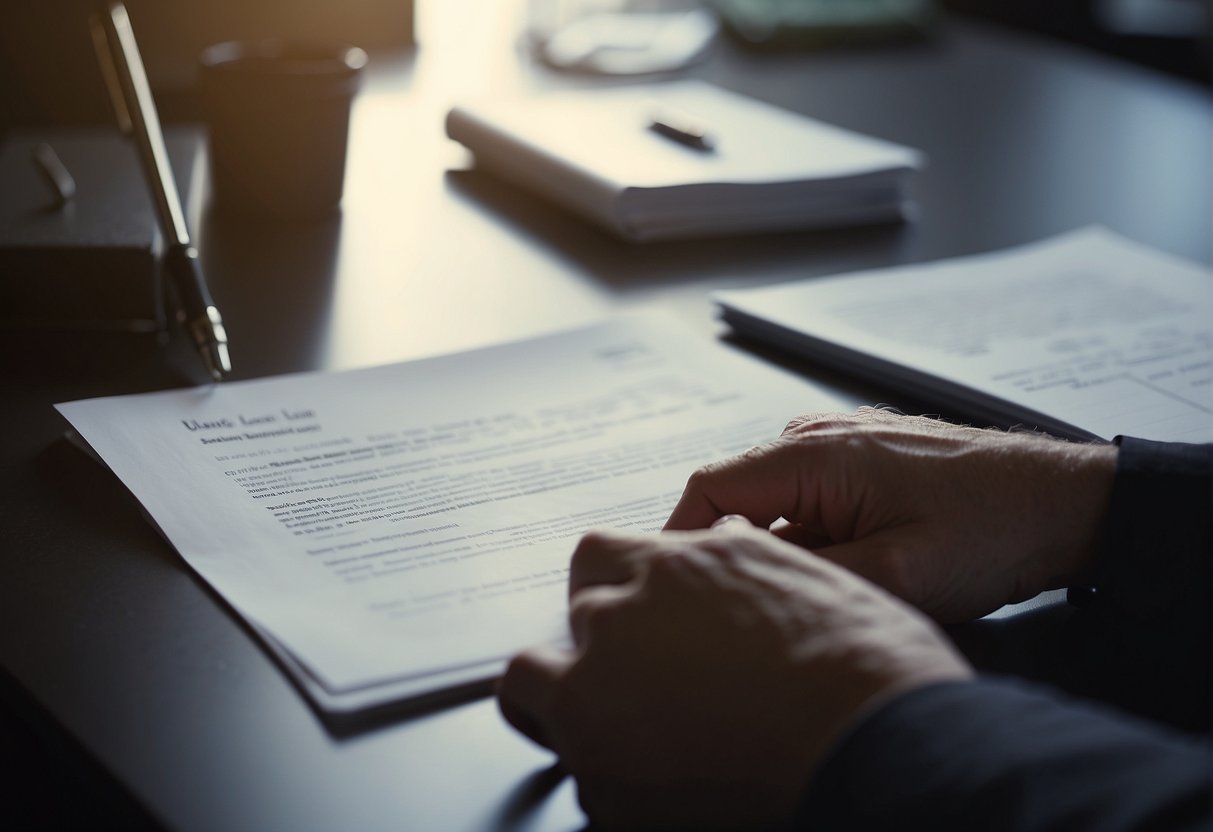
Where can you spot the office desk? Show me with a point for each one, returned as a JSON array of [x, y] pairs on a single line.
[[112, 647]]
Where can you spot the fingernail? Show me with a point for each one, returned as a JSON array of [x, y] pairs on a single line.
[[731, 519]]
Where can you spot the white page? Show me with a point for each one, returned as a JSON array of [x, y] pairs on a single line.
[[1089, 329], [400, 521], [605, 132]]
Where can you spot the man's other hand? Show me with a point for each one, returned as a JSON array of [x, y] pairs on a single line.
[[712, 670]]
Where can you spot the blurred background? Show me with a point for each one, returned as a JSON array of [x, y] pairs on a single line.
[[48, 74]]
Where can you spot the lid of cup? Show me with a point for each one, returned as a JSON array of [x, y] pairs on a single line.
[[283, 58]]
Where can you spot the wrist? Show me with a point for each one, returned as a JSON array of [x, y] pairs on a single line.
[[1050, 508], [869, 674], [1083, 495]]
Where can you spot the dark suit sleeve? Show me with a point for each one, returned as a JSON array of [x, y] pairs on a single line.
[[996, 754], [1141, 638], [1002, 755]]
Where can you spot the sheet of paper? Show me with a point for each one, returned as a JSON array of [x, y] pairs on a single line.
[[1090, 330], [403, 523]]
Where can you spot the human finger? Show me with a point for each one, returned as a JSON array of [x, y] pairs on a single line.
[[763, 484], [884, 563], [802, 535], [732, 524], [606, 558], [526, 690], [592, 607]]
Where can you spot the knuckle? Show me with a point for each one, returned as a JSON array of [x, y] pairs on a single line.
[[513, 667], [591, 542], [595, 548], [675, 570], [816, 423], [593, 613], [794, 424], [701, 477], [670, 568], [586, 550], [667, 563], [522, 667], [804, 422], [700, 474], [754, 454]]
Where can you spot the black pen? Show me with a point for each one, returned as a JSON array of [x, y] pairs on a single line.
[[136, 112], [682, 128]]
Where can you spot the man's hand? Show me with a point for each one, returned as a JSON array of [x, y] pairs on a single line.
[[712, 671], [957, 521]]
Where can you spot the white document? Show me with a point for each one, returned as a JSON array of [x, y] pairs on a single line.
[[403, 529], [1087, 334], [768, 169]]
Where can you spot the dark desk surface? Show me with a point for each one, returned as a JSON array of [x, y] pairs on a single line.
[[115, 642]]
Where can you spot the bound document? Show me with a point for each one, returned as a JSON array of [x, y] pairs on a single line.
[[1086, 335], [619, 159]]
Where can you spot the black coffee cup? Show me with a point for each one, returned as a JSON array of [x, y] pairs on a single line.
[[278, 116]]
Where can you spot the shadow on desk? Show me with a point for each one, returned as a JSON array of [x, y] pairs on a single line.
[[70, 364], [50, 781], [526, 798], [620, 264]]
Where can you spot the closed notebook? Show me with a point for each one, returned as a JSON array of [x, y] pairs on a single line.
[[593, 152]]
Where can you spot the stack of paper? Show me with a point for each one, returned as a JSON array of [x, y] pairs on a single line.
[[1087, 335], [767, 170], [399, 532]]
